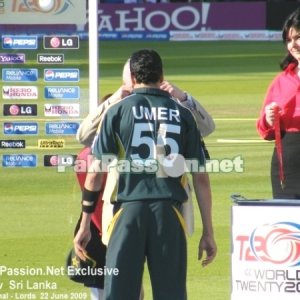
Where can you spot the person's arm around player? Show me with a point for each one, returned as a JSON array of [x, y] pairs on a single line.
[[88, 127], [204, 120]]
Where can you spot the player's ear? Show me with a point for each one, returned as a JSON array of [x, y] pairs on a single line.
[[161, 79], [133, 79]]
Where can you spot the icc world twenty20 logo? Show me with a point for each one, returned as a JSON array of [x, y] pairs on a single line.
[[48, 6], [277, 243]]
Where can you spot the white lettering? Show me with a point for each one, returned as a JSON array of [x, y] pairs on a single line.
[[24, 42], [26, 110], [196, 18], [167, 21], [25, 128], [43, 58], [66, 75], [15, 144], [138, 20], [142, 20], [156, 113], [68, 42], [59, 90], [105, 22]]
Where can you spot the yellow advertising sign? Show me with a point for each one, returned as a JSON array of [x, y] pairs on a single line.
[[50, 144]]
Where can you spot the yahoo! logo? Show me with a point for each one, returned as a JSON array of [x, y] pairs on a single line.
[[137, 19], [277, 244]]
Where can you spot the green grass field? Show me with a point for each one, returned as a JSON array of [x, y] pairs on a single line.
[[39, 207]]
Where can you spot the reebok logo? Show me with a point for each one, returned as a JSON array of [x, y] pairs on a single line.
[[5, 144], [50, 59]]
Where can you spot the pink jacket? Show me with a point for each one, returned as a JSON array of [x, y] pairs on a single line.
[[285, 91]]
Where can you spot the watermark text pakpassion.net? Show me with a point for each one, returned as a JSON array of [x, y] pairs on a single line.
[[172, 165], [25, 282], [28, 271]]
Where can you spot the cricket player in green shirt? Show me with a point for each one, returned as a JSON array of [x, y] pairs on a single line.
[[148, 137]]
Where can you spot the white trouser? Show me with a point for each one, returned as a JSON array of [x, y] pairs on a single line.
[[97, 294]]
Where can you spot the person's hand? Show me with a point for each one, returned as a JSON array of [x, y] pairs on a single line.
[[270, 113], [207, 244], [125, 91], [173, 90], [122, 92], [80, 242]]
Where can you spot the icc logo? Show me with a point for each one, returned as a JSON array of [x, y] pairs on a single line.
[[44, 6], [277, 244]]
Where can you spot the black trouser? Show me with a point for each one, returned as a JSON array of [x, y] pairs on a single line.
[[291, 168], [151, 230]]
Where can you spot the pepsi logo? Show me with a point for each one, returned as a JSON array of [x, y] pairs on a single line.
[[7, 42], [8, 127], [49, 75]]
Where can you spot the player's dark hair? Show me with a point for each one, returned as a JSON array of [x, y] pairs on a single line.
[[292, 21], [146, 66]]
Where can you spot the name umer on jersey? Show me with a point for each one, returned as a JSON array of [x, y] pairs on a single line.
[[155, 113]]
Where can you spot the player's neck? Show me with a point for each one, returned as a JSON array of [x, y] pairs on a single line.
[[143, 85]]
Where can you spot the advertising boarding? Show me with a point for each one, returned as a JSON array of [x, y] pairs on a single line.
[[44, 95], [265, 253]]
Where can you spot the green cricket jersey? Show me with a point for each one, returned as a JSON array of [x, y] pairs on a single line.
[[152, 136]]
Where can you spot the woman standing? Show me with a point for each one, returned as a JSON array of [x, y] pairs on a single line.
[[280, 116]]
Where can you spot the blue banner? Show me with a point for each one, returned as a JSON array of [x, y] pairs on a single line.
[[61, 75], [19, 42], [62, 128], [19, 74], [62, 92], [20, 128], [19, 160]]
